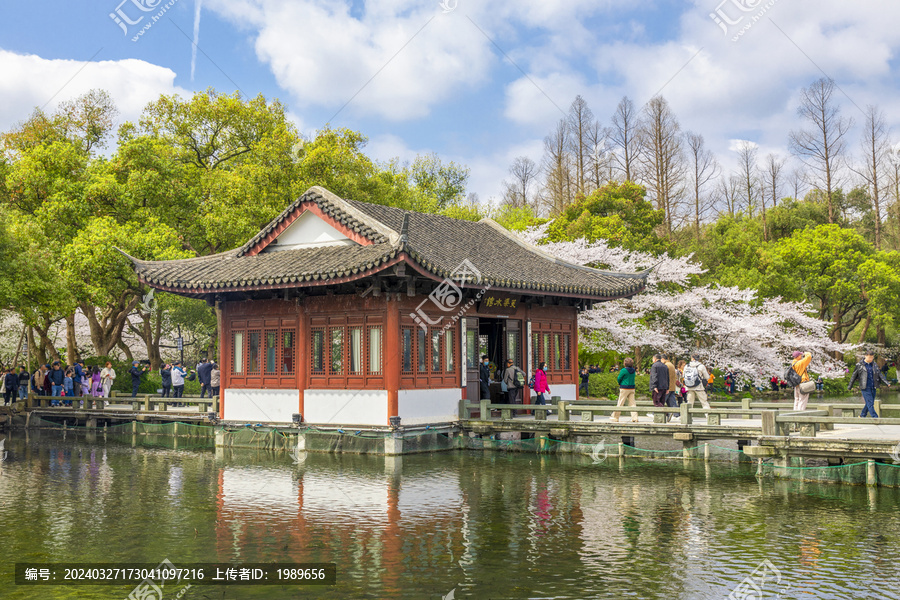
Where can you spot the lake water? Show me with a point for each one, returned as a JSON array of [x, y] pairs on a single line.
[[466, 524]]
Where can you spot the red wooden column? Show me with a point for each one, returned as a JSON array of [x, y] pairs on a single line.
[[525, 344], [574, 351], [391, 356], [225, 357], [302, 352]]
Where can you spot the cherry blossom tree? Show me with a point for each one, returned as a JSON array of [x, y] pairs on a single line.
[[728, 326]]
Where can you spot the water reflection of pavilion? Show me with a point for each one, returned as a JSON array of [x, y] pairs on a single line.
[[370, 521]]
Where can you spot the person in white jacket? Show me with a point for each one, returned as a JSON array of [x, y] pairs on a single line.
[[178, 374], [107, 378]]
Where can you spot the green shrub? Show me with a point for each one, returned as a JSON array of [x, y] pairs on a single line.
[[605, 385]]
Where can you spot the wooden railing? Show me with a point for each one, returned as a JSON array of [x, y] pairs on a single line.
[[807, 423], [586, 410], [146, 403]]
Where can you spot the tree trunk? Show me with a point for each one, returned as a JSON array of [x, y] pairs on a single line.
[[19, 347], [34, 349], [106, 329], [125, 350], [71, 342], [862, 336]]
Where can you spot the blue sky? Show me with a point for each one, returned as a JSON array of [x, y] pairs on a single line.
[[450, 89]]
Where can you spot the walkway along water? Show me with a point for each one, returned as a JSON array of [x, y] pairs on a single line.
[[857, 450]]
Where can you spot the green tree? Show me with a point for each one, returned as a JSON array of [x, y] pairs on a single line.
[[616, 212], [821, 265]]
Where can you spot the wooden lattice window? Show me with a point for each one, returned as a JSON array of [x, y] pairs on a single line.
[[545, 354], [254, 339], [374, 348], [406, 350], [567, 352], [449, 352], [237, 353], [287, 352], [317, 349], [355, 350], [422, 350], [535, 349], [436, 365], [557, 353], [336, 362], [271, 351]]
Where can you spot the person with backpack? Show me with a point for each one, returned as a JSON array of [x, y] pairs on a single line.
[[870, 378], [511, 380], [799, 366], [539, 383], [626, 390], [695, 376]]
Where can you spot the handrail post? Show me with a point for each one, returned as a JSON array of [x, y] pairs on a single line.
[[685, 413], [485, 411], [563, 410], [878, 406], [745, 405], [769, 424]]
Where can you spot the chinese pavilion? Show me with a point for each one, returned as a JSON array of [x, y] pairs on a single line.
[[351, 313]]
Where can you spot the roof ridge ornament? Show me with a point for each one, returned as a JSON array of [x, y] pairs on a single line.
[[404, 230]]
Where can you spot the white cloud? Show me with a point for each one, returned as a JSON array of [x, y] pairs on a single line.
[[395, 59], [28, 81]]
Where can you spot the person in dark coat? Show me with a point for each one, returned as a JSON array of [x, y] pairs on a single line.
[[870, 378], [203, 372], [659, 381], [136, 371], [24, 378], [165, 374], [10, 386], [56, 377], [79, 373], [485, 377]]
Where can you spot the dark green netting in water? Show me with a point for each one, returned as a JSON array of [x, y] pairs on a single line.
[[177, 429], [854, 474], [261, 438], [602, 448], [887, 474]]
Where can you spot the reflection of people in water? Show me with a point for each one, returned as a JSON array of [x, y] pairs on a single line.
[[810, 551]]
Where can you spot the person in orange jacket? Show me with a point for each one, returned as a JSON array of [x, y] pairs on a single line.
[[800, 364]]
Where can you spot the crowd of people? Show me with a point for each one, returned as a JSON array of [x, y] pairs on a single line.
[[66, 384]]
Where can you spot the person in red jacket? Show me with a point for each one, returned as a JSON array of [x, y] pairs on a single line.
[[540, 384]]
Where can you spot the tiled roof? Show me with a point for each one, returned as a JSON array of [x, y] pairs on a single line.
[[437, 244]]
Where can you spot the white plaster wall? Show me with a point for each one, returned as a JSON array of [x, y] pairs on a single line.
[[345, 407], [564, 391], [261, 406], [309, 230], [429, 406]]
